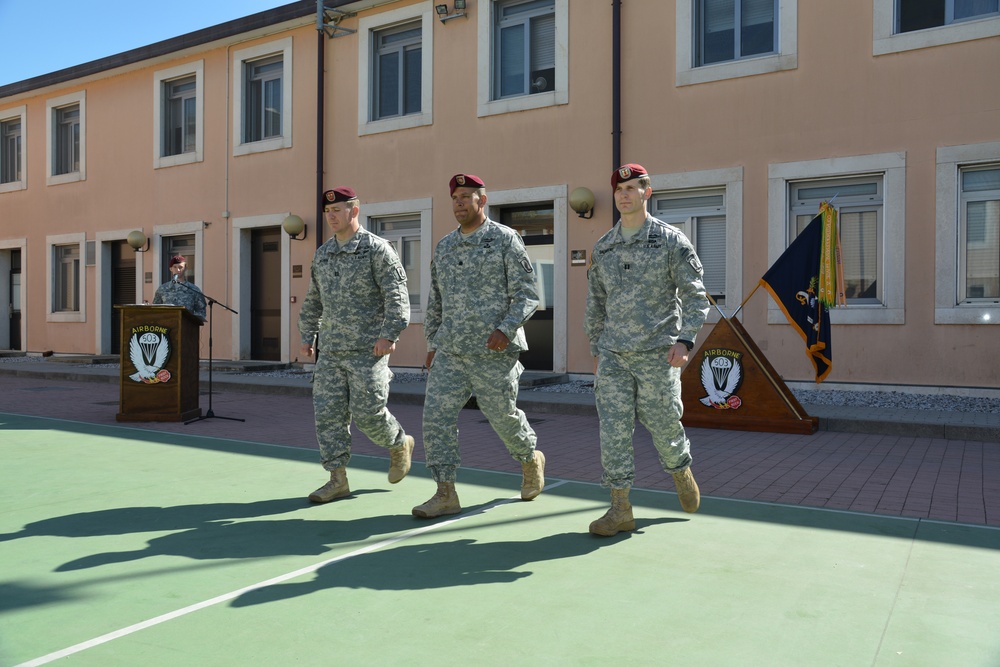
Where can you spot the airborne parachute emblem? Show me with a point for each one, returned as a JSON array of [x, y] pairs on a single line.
[[721, 377]]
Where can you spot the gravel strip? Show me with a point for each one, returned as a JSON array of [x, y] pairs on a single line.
[[867, 399]]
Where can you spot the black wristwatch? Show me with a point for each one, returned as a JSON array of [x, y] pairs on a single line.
[[688, 344]]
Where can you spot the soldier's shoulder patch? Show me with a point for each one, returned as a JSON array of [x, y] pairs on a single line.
[[526, 265], [399, 273], [695, 263]]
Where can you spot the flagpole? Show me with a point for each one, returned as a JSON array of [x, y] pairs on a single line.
[[746, 299], [712, 301]]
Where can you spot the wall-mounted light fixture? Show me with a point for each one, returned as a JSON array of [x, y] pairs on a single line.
[[137, 240], [293, 226], [581, 200], [445, 15]]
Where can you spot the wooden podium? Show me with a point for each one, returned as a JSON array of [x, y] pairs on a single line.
[[730, 384], [159, 378]]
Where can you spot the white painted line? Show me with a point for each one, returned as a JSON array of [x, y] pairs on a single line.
[[117, 634]]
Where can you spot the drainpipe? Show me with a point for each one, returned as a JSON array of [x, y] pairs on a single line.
[[616, 94], [320, 95]]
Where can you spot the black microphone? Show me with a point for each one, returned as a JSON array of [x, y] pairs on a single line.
[[175, 277]]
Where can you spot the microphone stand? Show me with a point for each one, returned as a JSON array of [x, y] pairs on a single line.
[[211, 302]]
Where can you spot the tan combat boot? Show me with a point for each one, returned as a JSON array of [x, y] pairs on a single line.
[[616, 519], [399, 460], [337, 487], [533, 476], [687, 490], [445, 501]]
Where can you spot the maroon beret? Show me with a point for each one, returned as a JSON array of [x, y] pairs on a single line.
[[177, 259], [626, 172], [335, 195], [465, 181]]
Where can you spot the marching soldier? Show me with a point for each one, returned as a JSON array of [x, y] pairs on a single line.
[[482, 292], [358, 305], [645, 305]]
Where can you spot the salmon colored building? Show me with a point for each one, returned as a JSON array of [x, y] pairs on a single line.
[[747, 115]]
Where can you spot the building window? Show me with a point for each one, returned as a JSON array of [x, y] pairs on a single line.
[[725, 39], [11, 154], [922, 14], [180, 117], [66, 121], [904, 25], [735, 29], [403, 231], [869, 193], [967, 248], [178, 137], [66, 278], [407, 225], [979, 234], [524, 48], [859, 207], [67, 140], [397, 70], [523, 55], [262, 105], [263, 118], [701, 216]]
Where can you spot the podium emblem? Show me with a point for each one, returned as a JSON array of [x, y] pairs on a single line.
[[721, 377], [149, 352]]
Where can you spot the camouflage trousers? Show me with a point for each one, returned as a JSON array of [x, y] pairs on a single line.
[[350, 385], [453, 379], [641, 385]]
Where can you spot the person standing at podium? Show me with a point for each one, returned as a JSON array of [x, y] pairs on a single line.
[[357, 305], [179, 292]]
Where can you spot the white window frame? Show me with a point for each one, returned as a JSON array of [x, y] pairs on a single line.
[[786, 58], [367, 28], [886, 40], [240, 60], [160, 80], [51, 242], [486, 105], [892, 167], [947, 309], [731, 179], [422, 208], [21, 114], [51, 108], [558, 195]]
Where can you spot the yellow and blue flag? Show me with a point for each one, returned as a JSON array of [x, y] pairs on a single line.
[[794, 282]]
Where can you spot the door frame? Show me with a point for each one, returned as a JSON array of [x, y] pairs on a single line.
[[242, 253], [14, 244], [557, 194]]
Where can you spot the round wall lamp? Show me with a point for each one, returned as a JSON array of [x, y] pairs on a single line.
[[137, 240], [293, 226], [581, 200]]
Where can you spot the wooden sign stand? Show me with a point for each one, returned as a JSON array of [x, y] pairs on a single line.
[[730, 384]]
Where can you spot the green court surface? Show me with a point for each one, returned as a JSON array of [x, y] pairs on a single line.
[[121, 546]]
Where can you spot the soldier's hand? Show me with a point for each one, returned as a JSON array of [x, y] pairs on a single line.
[[497, 341], [384, 346], [429, 360], [307, 351], [678, 355]]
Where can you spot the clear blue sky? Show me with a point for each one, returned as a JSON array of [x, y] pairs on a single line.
[[42, 36]]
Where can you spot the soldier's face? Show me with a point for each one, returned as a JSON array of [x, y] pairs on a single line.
[[629, 198], [467, 205], [339, 215]]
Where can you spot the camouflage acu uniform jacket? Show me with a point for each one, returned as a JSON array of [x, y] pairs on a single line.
[[187, 295], [645, 293], [356, 296], [479, 284]]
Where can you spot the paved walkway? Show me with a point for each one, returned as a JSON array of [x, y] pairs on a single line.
[[912, 467]]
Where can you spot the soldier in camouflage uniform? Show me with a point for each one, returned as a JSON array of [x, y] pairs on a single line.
[[482, 292], [179, 292], [645, 305], [358, 305]]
